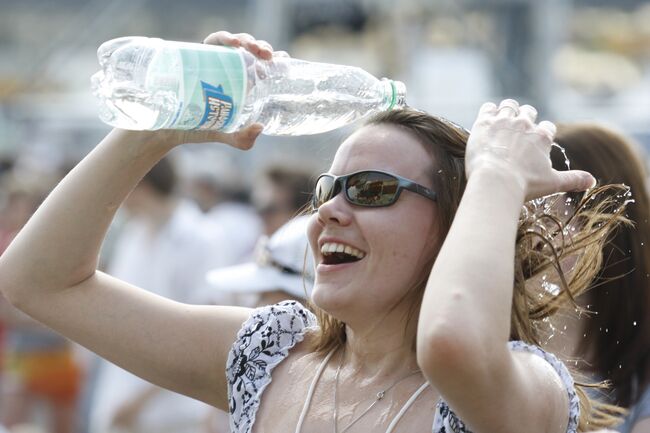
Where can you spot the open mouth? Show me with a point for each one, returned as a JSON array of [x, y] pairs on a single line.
[[336, 254]]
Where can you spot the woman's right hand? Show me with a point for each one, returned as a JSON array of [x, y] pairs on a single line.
[[244, 138]]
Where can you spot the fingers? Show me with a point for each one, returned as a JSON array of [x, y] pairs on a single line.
[[508, 108], [574, 180], [260, 48], [222, 38], [524, 116], [529, 112], [245, 138], [488, 108], [547, 128]]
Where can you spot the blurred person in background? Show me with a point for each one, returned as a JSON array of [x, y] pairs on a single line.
[[281, 191], [222, 193], [161, 248], [282, 270], [40, 370], [611, 341]]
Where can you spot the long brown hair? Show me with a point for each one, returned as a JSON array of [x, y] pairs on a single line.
[[542, 244], [616, 343]]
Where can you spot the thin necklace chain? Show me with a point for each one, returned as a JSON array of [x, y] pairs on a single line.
[[380, 396]]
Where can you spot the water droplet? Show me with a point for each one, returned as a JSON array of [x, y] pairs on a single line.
[[584, 335], [634, 323], [551, 288], [620, 366], [606, 329]]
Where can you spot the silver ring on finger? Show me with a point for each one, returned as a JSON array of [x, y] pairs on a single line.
[[515, 109]]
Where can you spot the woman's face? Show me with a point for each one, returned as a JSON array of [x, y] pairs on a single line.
[[396, 241]]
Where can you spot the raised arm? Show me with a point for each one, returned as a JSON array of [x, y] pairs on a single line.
[[464, 323], [49, 271]]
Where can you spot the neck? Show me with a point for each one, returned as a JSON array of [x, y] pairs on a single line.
[[381, 350]]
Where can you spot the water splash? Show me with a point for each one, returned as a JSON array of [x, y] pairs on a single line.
[[551, 288]]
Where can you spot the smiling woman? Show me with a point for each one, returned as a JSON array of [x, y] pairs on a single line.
[[425, 307]]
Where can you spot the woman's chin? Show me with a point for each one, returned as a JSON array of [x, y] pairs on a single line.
[[330, 299]]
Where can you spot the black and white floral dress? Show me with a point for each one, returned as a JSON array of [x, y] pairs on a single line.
[[270, 332]]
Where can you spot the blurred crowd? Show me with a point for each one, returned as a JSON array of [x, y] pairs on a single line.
[[176, 225]]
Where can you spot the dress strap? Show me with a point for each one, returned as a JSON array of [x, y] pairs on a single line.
[[406, 406], [312, 387]]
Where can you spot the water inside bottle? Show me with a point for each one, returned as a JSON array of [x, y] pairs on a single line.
[[307, 103], [130, 96], [317, 112]]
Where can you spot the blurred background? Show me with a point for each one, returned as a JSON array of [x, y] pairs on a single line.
[[573, 60], [582, 59]]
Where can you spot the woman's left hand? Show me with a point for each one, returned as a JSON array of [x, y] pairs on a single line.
[[507, 139]]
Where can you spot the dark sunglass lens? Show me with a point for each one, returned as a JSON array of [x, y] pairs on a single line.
[[372, 189], [323, 191]]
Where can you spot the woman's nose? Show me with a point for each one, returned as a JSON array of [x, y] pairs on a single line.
[[336, 210]]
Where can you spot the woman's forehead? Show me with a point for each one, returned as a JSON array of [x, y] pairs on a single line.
[[382, 147]]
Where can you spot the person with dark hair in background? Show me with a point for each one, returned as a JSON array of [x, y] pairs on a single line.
[[423, 316], [612, 340]]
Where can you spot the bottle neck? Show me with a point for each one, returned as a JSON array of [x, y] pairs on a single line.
[[394, 94]]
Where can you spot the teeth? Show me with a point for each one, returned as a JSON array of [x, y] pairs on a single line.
[[333, 247]]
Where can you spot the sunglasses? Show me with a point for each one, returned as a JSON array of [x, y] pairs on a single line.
[[369, 188]]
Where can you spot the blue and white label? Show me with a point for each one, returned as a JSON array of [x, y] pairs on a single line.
[[213, 86], [219, 107]]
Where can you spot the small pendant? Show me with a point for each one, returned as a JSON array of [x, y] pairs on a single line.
[[380, 395]]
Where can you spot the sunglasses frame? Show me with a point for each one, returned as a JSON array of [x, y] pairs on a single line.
[[340, 184]]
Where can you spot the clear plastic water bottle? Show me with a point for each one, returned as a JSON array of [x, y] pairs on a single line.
[[148, 83]]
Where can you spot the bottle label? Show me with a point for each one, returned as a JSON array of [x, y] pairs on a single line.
[[214, 87], [218, 107]]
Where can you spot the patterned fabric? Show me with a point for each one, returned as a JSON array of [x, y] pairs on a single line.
[[446, 421], [262, 343], [266, 338]]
